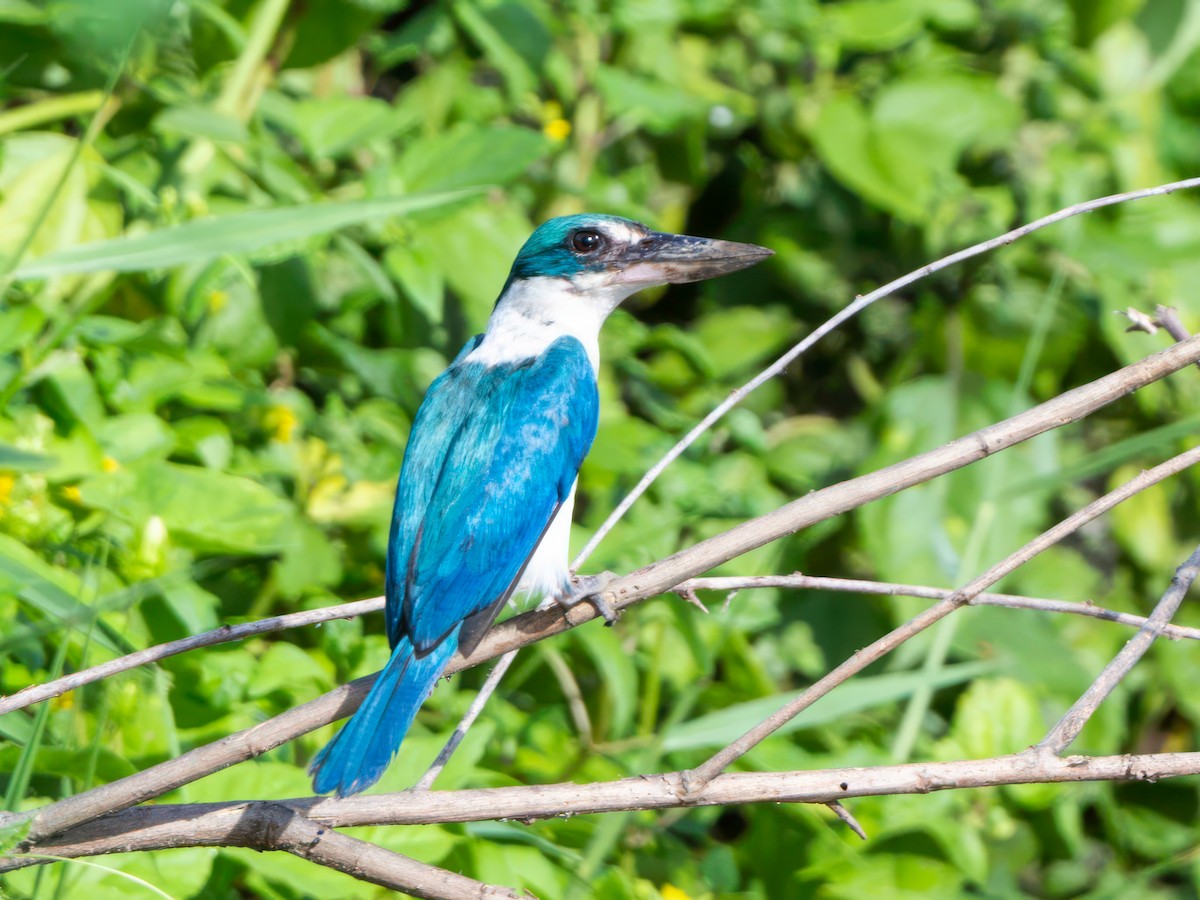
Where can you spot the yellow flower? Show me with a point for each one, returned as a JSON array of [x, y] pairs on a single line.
[[282, 422], [71, 493], [108, 464], [6, 486], [217, 301], [63, 701], [670, 892], [557, 129]]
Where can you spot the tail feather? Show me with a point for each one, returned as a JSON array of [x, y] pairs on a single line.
[[356, 758]]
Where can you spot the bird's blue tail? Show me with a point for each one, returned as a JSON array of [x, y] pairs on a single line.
[[357, 756]]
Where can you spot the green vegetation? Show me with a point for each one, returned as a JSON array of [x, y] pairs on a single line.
[[238, 247]]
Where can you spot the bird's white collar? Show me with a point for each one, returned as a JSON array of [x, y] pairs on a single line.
[[535, 312]]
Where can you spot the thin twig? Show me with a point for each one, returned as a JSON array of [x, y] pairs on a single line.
[[39, 692], [468, 719], [891, 589], [485, 692], [1069, 726], [208, 824], [719, 761], [839, 498], [848, 817], [859, 304], [574, 696], [50, 689], [1168, 318]]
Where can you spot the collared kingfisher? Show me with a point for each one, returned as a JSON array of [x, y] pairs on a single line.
[[483, 506]]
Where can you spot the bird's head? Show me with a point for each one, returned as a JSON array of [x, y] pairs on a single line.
[[611, 257]]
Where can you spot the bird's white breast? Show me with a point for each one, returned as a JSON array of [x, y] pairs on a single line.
[[547, 573]]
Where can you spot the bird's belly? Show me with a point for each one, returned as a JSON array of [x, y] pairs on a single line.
[[547, 572]]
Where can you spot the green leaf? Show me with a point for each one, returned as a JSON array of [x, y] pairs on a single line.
[[1145, 525], [847, 146], [468, 156], [659, 106], [19, 327], [69, 763], [50, 591], [719, 728], [13, 459], [334, 126], [619, 676], [22, 12], [202, 508], [285, 667], [135, 436], [875, 24], [201, 122], [238, 234]]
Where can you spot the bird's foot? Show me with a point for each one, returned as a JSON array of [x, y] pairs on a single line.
[[589, 588]]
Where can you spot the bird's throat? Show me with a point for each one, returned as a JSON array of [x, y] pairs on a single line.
[[533, 313]]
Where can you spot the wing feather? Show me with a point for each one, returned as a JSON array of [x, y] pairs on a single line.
[[493, 453]]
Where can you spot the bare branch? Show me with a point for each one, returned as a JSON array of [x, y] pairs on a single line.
[[718, 762], [646, 582], [271, 825], [891, 589], [1069, 726], [209, 824], [38, 692], [839, 498], [859, 304]]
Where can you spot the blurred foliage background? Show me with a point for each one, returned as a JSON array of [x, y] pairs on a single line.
[[204, 404]]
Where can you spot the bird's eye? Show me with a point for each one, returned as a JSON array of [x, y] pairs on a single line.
[[587, 241]]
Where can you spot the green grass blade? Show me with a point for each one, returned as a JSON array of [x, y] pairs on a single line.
[[233, 234], [23, 771], [87, 863]]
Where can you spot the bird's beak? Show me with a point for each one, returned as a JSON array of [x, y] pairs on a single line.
[[678, 258]]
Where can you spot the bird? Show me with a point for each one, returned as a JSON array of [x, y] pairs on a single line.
[[487, 486]]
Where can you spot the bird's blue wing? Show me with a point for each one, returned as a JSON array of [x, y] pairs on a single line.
[[493, 453], [447, 405]]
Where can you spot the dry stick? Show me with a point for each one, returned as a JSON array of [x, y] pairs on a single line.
[[271, 825], [718, 762], [891, 589], [39, 692], [859, 304], [827, 502], [499, 670], [209, 824], [848, 817], [646, 582], [464, 725], [1069, 726], [43, 692], [50, 689], [370, 862], [1168, 318]]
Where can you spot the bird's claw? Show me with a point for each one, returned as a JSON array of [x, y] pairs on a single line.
[[589, 588]]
